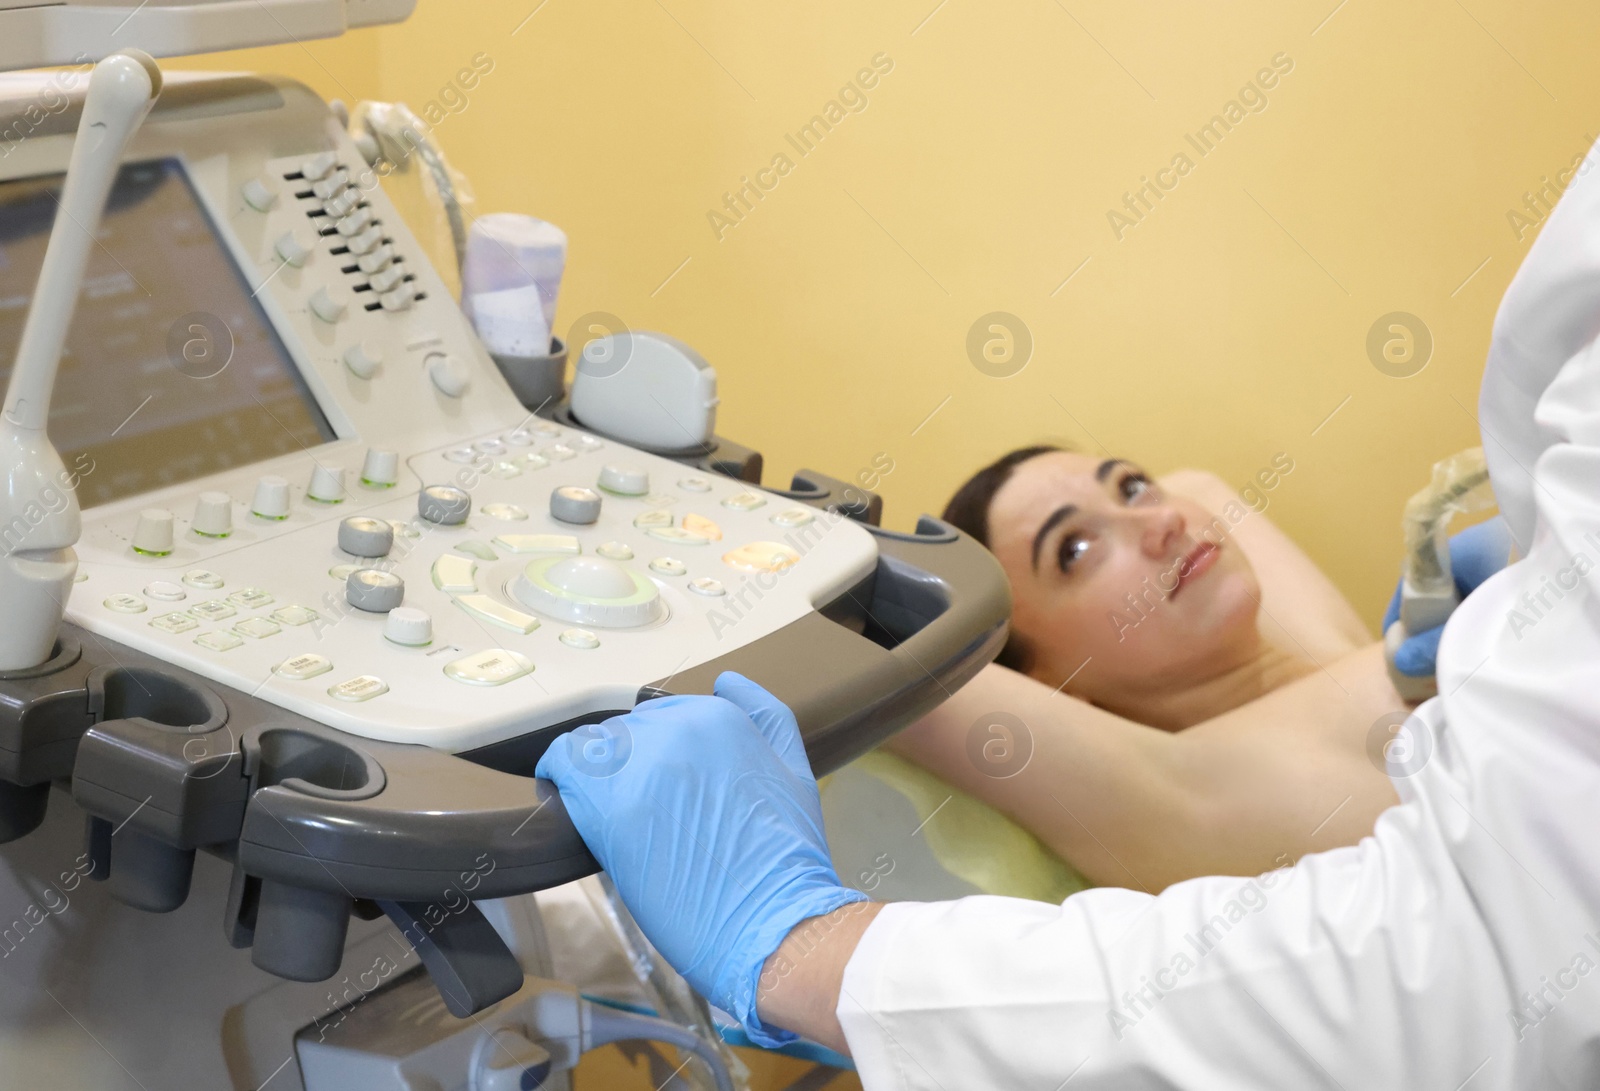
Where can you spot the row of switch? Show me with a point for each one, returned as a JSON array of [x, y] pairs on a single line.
[[353, 221], [153, 535]]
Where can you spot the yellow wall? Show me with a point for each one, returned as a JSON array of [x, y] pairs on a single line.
[[1223, 328]]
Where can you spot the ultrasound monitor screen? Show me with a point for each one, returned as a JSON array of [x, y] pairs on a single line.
[[172, 370]]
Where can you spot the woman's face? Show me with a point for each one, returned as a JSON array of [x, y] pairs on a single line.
[[1110, 574]]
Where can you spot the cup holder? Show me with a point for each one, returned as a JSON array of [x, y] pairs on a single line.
[[316, 766], [154, 697]]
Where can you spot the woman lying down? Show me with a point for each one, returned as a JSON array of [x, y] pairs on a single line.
[[1198, 697]]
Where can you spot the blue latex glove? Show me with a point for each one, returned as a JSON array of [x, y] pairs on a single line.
[[1475, 554], [704, 812]]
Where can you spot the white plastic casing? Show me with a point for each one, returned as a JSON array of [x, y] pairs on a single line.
[[648, 389]]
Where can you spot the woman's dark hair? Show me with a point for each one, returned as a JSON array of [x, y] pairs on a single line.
[[968, 510]]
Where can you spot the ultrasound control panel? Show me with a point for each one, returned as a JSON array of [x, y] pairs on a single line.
[[513, 581], [304, 478]]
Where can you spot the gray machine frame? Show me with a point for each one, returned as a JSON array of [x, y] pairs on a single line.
[[320, 825]]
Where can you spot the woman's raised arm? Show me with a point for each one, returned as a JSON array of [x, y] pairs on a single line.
[[1132, 806]]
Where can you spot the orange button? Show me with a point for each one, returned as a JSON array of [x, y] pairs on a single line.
[[699, 524], [761, 557]]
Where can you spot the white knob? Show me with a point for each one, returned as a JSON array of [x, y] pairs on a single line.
[[363, 359], [260, 194], [327, 484], [386, 279], [398, 299], [377, 261], [213, 515], [327, 305], [408, 625], [153, 535], [380, 467], [448, 374], [354, 223], [319, 166], [272, 498], [626, 480], [325, 188], [294, 247], [367, 241], [342, 204]]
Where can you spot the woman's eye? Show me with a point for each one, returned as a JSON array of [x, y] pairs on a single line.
[[1136, 487], [1072, 547]]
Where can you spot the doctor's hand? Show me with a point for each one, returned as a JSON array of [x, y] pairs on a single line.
[[1475, 554], [704, 812]]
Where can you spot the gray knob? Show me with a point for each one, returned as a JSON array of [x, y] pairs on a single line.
[[575, 504], [444, 504], [374, 590], [362, 536]]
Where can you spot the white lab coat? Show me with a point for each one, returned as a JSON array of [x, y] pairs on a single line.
[[1456, 949]]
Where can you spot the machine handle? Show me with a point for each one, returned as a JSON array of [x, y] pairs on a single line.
[[890, 649], [319, 821]]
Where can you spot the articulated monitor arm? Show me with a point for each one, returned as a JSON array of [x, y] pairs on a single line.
[[38, 530]]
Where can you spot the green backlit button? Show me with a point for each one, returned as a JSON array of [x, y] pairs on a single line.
[[213, 610], [793, 517], [452, 574], [475, 548], [744, 501], [491, 610], [250, 598], [257, 628], [539, 543], [678, 536], [295, 615], [218, 640], [174, 623]]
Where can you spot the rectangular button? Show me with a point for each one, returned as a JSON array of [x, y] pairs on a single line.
[[307, 665], [539, 543], [174, 623], [454, 574], [214, 610], [491, 667], [362, 688], [498, 612], [295, 615], [250, 598], [257, 628], [218, 641]]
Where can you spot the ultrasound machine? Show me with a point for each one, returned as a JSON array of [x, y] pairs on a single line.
[[296, 591]]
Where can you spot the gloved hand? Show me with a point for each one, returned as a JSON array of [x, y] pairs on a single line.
[[704, 812], [1475, 554]]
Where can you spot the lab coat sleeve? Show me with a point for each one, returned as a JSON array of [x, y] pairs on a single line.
[[1458, 947], [1356, 969]]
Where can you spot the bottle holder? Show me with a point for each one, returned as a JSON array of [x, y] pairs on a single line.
[[537, 381], [42, 716], [154, 775]]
